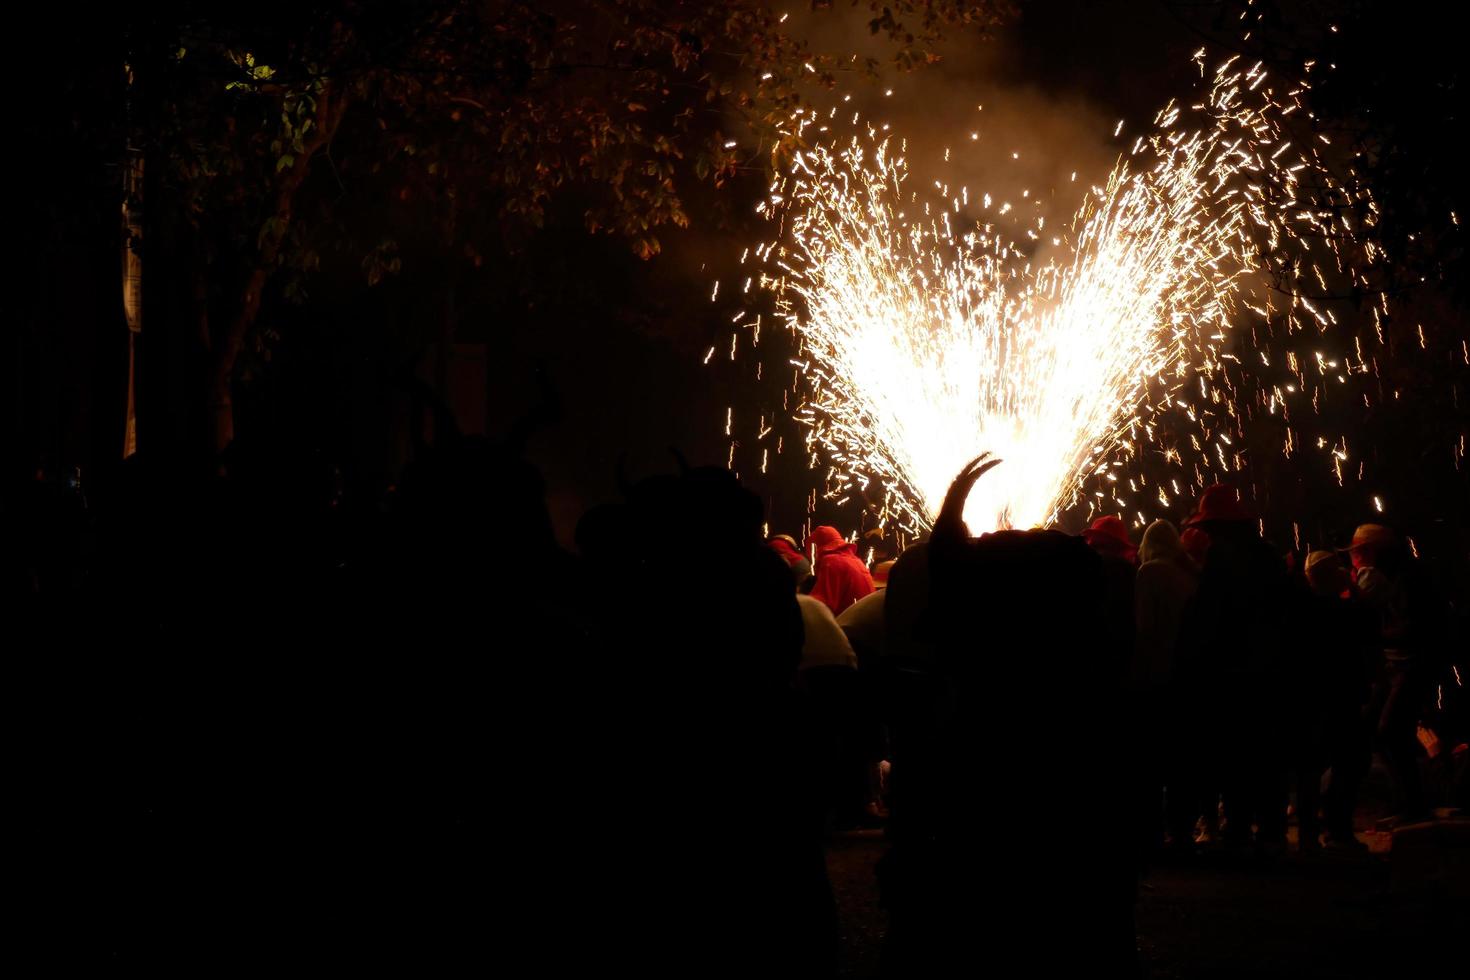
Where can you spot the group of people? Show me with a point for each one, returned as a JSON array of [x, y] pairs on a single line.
[[1237, 682], [1259, 682], [1250, 684], [417, 731]]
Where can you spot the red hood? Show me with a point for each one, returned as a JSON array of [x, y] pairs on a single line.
[[784, 549], [828, 540], [842, 578], [1109, 536], [1220, 504]]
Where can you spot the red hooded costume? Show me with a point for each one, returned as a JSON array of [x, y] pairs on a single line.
[[786, 550], [1108, 536], [842, 578]]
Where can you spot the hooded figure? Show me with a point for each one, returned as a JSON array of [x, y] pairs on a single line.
[[1166, 581], [842, 578], [1109, 537], [1163, 742], [1219, 505], [1196, 544], [785, 546]]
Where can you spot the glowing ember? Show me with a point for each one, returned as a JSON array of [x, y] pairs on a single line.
[[925, 337]]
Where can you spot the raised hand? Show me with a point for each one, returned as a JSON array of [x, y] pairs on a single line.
[[951, 520]]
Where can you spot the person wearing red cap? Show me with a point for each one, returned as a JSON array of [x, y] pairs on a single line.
[[842, 578], [785, 546], [1196, 544], [1219, 504], [1108, 536]]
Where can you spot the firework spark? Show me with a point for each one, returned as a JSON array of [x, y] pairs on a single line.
[[924, 338]]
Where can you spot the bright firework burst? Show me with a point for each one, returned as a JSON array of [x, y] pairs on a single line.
[[926, 337]]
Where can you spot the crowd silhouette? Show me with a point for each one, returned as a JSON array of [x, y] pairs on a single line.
[[416, 733]]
